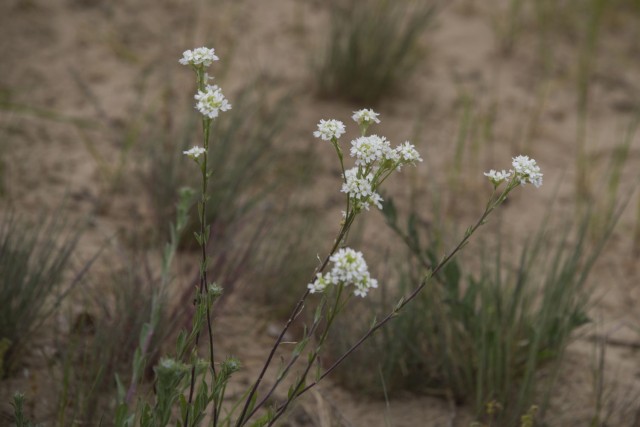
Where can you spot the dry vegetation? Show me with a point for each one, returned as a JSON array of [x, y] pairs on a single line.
[[536, 321]]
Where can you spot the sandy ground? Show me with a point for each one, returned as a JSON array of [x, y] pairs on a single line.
[[77, 64]]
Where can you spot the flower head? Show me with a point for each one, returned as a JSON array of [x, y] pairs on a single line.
[[364, 118], [200, 56], [211, 101], [408, 154], [527, 171], [329, 129], [360, 191], [369, 149], [498, 177], [320, 284], [349, 268], [194, 152]]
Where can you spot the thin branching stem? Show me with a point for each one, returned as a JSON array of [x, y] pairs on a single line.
[[286, 369], [294, 314], [491, 205], [332, 315]]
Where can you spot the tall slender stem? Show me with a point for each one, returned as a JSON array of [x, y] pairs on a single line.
[[203, 292]]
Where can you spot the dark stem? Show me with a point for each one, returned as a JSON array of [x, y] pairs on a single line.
[[281, 377], [294, 314], [491, 205], [303, 377]]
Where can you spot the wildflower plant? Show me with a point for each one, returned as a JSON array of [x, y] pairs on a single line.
[[198, 387]]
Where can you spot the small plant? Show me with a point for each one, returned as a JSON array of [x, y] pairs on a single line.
[[188, 388], [372, 47], [33, 260], [480, 337], [18, 411], [193, 384]]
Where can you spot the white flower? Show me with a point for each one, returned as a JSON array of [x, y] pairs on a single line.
[[194, 152], [498, 177], [329, 129], [200, 56], [360, 190], [369, 149], [320, 284], [408, 153], [527, 170], [365, 117], [350, 268], [211, 101], [362, 287]]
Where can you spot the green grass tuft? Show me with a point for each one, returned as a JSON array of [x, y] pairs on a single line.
[[373, 46]]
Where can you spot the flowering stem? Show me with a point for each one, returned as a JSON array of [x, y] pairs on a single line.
[[330, 318], [294, 314], [491, 205], [204, 297], [286, 369]]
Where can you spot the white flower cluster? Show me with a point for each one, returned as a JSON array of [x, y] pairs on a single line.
[[329, 129], [194, 152], [360, 189], [349, 268], [498, 177], [408, 153], [211, 101], [365, 117], [525, 170], [374, 159], [200, 56], [369, 149]]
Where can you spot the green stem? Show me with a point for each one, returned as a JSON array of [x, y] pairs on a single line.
[[204, 298]]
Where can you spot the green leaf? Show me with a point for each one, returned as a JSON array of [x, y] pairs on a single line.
[[181, 342]]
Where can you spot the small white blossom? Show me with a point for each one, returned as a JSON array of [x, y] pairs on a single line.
[[200, 56], [527, 171], [407, 153], [360, 190], [194, 152], [365, 117], [329, 129], [211, 101], [363, 286], [498, 177], [369, 149], [320, 284]]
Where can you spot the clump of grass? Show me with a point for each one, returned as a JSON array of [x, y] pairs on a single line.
[[480, 337], [104, 338], [34, 258], [373, 45]]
